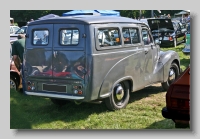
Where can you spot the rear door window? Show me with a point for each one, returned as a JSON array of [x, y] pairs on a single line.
[[69, 37], [41, 37]]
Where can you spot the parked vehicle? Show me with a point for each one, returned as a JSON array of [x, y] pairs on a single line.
[[170, 33], [178, 100], [98, 64], [21, 30], [15, 78], [13, 29]]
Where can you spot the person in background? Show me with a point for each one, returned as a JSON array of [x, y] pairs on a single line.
[[31, 20], [188, 23], [168, 16], [17, 53]]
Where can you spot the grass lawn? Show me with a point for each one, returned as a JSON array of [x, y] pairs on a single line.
[[142, 112]]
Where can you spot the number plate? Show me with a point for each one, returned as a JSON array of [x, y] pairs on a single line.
[[54, 88]]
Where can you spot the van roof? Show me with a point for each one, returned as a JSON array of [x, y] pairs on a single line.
[[86, 19]]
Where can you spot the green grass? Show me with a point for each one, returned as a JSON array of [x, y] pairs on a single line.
[[142, 112], [184, 59]]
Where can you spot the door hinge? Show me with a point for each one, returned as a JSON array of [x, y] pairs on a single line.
[[84, 35]]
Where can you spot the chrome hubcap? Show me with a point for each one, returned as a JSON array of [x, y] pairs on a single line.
[[119, 92], [172, 75], [12, 84]]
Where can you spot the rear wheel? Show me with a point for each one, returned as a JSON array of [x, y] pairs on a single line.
[[119, 97], [13, 83], [59, 102], [173, 74]]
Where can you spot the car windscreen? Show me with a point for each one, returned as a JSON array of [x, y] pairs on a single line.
[[22, 30]]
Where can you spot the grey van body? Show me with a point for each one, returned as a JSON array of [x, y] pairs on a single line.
[[85, 71]]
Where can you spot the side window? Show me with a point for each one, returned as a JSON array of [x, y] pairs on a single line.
[[146, 37], [69, 37], [41, 37], [126, 36], [109, 37], [130, 35], [134, 33]]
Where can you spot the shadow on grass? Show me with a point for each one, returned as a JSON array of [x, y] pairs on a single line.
[[167, 124], [145, 92], [163, 124], [27, 111]]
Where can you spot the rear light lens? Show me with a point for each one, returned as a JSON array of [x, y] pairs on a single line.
[[174, 103], [80, 92], [170, 38], [181, 103], [28, 88], [77, 89], [31, 86]]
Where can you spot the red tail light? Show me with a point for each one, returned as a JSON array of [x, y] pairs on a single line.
[[181, 103], [170, 38], [174, 102]]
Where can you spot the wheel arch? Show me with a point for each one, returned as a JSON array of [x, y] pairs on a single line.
[[129, 79]]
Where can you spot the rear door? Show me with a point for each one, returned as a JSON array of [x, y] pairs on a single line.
[[38, 54], [68, 58]]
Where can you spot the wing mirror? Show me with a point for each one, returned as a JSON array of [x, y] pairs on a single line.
[[157, 41]]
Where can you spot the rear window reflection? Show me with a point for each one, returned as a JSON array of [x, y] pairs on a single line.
[[41, 37], [69, 37]]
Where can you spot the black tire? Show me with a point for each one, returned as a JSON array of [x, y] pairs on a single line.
[[59, 102], [13, 83], [173, 74], [114, 102]]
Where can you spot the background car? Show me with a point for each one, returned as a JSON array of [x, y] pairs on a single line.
[[13, 29], [169, 32], [21, 30], [178, 100]]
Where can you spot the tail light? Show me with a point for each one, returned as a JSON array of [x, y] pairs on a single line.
[[31, 86], [181, 103], [78, 89], [171, 38]]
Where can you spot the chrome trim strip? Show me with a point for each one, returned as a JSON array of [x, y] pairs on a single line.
[[53, 95]]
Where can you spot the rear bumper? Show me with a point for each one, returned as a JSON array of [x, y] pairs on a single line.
[[175, 115], [54, 95]]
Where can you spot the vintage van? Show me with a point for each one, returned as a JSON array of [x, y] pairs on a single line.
[[94, 59]]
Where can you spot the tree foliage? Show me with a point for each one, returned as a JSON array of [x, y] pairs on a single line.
[[26, 15]]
